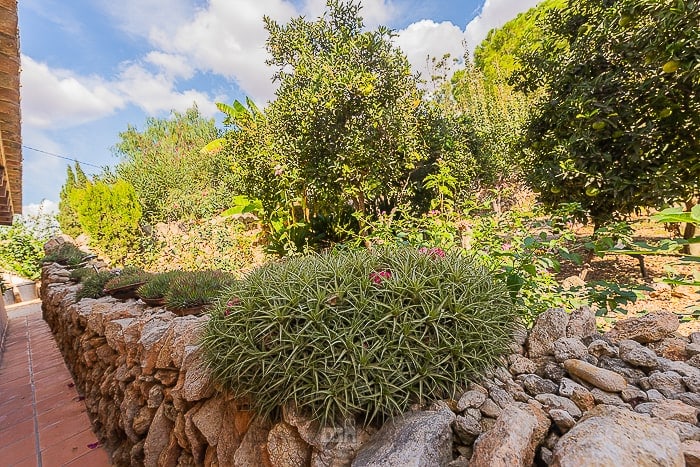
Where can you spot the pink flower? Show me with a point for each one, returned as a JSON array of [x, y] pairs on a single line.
[[278, 170], [435, 251], [506, 247], [379, 276], [230, 304]]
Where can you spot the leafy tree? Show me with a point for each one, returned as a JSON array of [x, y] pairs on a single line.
[[172, 176], [493, 115], [110, 215], [22, 243], [345, 126], [496, 56], [617, 127], [67, 217]]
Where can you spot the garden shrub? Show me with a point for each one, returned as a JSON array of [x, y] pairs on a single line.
[[110, 215], [359, 333], [67, 254], [94, 284], [196, 288], [158, 285]]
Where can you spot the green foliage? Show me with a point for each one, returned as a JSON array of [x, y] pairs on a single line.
[[344, 130], [359, 333], [493, 115], [94, 284], [67, 217], [128, 276], [227, 243], [196, 288], [21, 244], [110, 215], [158, 284], [174, 178], [79, 274], [67, 254], [617, 126], [497, 55]]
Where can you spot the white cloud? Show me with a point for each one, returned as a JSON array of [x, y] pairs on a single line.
[[228, 38], [373, 12], [141, 18], [425, 39], [494, 13], [60, 98], [155, 93], [172, 65], [45, 207]]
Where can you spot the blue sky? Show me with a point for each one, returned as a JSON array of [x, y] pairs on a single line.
[[91, 67]]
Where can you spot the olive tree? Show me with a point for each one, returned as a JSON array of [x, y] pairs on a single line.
[[617, 128]]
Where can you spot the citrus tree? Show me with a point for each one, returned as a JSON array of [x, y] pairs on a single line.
[[617, 127], [346, 123]]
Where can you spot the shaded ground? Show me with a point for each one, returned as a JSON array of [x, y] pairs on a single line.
[[625, 270]]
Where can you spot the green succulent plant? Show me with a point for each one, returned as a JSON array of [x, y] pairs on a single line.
[[128, 276], [196, 288], [158, 284], [359, 333], [94, 284], [67, 254], [78, 274]]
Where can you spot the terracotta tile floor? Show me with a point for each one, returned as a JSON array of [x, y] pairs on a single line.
[[42, 421]]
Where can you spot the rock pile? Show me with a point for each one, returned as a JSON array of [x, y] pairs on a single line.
[[566, 396], [570, 396]]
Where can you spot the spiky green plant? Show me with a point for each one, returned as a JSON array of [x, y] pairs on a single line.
[[78, 274], [128, 276], [158, 284], [67, 254], [94, 284], [196, 288], [359, 333]]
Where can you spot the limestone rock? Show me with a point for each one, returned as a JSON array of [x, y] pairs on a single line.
[[672, 348], [551, 401], [562, 419], [649, 328], [535, 385], [490, 409], [636, 354], [470, 399], [158, 438], [599, 348], [207, 419], [609, 398], [619, 437], [252, 451], [569, 347], [415, 439], [668, 383], [685, 431], [675, 410], [521, 365], [286, 448], [599, 377], [581, 323], [513, 439], [549, 326], [691, 453], [466, 428]]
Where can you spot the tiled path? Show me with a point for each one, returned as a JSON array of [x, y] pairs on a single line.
[[43, 422]]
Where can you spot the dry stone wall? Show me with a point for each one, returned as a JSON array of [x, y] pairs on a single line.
[[565, 396]]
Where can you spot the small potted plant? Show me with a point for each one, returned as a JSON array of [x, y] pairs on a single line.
[[191, 292], [67, 255], [94, 284], [124, 285], [153, 291]]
